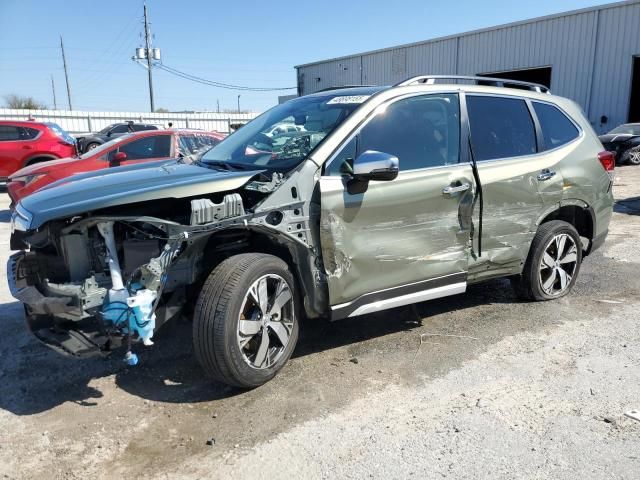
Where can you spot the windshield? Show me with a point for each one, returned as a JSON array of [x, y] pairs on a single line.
[[285, 135], [104, 147], [106, 129], [629, 129]]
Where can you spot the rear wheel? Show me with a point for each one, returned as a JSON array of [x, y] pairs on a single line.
[[91, 146], [553, 263], [246, 320]]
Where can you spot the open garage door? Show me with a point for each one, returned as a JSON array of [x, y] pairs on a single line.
[[541, 75], [634, 98]]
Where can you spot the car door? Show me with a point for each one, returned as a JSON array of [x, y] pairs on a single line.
[[505, 147], [389, 243], [12, 149], [144, 149]]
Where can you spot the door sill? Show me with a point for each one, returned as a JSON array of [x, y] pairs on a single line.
[[400, 296]]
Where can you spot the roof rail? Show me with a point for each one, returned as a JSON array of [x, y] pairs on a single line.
[[328, 89], [496, 82]]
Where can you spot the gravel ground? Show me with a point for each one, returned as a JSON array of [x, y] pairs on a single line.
[[497, 389]]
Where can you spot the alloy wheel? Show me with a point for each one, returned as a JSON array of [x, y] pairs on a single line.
[[266, 321], [558, 264]]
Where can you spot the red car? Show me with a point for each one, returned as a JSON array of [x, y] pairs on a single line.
[[26, 143], [128, 149]]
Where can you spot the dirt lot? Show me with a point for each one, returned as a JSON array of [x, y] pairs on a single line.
[[497, 389]]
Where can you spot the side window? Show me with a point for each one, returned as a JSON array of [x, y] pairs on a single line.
[[8, 133], [148, 147], [120, 129], [422, 131], [140, 128], [500, 127], [27, 133], [556, 128]]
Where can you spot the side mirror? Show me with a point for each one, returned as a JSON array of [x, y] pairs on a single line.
[[373, 165], [117, 158]]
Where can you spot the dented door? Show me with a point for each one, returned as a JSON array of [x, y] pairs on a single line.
[[406, 239], [396, 233], [505, 146]]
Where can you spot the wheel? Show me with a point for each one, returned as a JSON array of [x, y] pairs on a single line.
[[633, 156], [245, 323], [553, 263], [91, 146]]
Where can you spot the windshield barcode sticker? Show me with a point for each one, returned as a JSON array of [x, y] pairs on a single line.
[[348, 99]]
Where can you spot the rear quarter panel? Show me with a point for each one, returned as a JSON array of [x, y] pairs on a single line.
[[584, 178]]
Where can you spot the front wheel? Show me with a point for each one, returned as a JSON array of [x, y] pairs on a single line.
[[553, 263], [632, 156], [246, 320]]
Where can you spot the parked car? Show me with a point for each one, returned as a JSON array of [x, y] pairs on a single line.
[[26, 143], [624, 142], [393, 195], [131, 148], [281, 128], [89, 142]]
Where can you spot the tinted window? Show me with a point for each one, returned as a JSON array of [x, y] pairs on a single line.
[[139, 128], [8, 133], [556, 128], [120, 129], [148, 147], [421, 131], [29, 133], [500, 127]]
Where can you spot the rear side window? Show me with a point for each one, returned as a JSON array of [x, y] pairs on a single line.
[[29, 133], [8, 133], [500, 127], [556, 128]]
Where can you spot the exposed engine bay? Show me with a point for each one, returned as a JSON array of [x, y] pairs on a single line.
[[94, 282]]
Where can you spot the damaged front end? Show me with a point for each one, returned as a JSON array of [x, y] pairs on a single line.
[[90, 286], [93, 282]]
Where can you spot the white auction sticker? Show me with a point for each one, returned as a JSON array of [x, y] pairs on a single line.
[[348, 99]]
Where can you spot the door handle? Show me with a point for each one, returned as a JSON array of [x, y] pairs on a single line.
[[451, 189], [546, 174]]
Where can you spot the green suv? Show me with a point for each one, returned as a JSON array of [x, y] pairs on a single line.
[[379, 197]]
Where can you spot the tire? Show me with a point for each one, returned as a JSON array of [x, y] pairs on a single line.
[[230, 351], [632, 156], [91, 146], [539, 280]]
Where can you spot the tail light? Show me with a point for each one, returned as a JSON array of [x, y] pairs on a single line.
[[608, 161]]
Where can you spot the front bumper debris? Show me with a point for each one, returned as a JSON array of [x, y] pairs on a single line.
[[58, 320]]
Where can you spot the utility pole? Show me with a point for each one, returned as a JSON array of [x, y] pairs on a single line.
[[53, 89], [218, 105], [66, 73], [147, 39], [238, 103]]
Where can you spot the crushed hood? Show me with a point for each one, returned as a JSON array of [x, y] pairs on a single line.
[[130, 184]]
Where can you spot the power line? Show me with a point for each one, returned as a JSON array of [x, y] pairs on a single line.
[[213, 83]]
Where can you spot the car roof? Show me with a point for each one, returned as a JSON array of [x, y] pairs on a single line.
[[336, 92], [24, 123]]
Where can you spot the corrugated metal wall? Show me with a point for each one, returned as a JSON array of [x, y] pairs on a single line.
[[590, 51], [82, 122]]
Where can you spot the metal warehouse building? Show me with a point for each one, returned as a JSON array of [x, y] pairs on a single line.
[[591, 56]]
